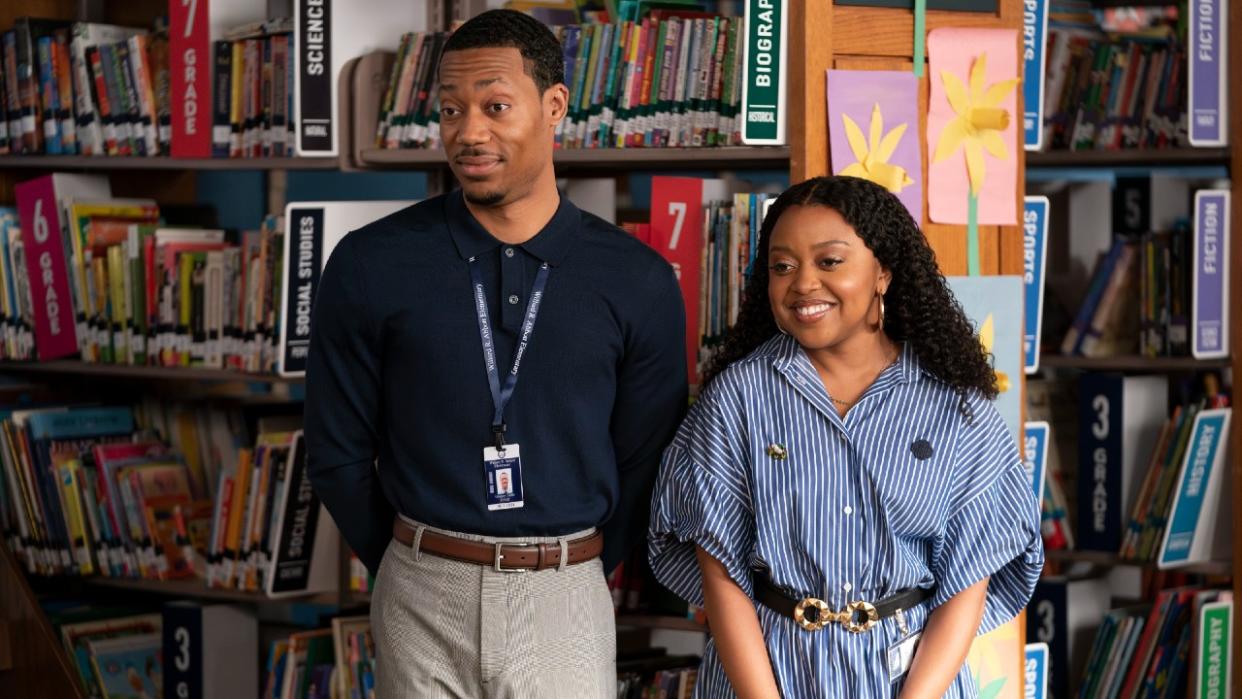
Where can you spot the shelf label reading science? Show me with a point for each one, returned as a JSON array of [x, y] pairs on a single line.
[[1210, 305], [1208, 72], [1216, 650], [1035, 454], [314, 79], [1034, 261], [763, 90], [1034, 38]]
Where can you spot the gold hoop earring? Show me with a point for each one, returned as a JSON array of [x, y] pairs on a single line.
[[881, 327]]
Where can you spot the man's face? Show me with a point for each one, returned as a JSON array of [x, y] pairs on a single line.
[[496, 127]]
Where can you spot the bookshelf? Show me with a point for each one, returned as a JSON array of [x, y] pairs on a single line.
[[583, 159], [1131, 363], [121, 371], [1123, 158], [197, 589], [1112, 560], [821, 36], [83, 162]]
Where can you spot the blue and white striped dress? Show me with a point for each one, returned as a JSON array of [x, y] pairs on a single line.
[[851, 513]]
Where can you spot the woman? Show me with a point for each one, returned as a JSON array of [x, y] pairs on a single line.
[[845, 456]]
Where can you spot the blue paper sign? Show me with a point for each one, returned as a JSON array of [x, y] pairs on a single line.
[[1034, 37], [1035, 671], [1207, 437], [1034, 259]]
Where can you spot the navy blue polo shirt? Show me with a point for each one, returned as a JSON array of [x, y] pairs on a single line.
[[398, 409]]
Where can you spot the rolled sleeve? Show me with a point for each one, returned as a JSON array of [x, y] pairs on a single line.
[[993, 526], [702, 499]]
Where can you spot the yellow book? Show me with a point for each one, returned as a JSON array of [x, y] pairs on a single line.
[[185, 282], [80, 215], [118, 304], [237, 510], [187, 439], [75, 520], [236, 118]]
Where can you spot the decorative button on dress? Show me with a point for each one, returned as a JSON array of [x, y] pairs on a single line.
[[904, 491]]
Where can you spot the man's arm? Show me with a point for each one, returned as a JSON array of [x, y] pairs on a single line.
[[342, 411], [650, 402]]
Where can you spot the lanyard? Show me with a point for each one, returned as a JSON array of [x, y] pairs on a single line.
[[502, 394]]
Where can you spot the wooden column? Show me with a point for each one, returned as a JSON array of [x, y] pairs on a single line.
[[809, 56]]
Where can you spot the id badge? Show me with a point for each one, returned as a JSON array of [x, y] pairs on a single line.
[[900, 655], [503, 468]]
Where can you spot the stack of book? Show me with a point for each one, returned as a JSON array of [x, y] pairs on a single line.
[[116, 652], [323, 663], [657, 675], [1114, 91], [114, 285], [82, 88]]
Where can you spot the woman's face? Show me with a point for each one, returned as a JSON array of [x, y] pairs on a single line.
[[822, 278]]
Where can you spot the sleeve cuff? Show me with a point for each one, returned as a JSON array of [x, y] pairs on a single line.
[[995, 535], [691, 508]]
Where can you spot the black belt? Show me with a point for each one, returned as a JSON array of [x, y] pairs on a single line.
[[813, 614]]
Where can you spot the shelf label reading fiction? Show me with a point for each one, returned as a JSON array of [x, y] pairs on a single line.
[[1209, 47], [763, 90], [1210, 303]]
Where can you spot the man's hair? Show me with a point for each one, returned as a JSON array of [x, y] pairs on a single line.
[[541, 52]]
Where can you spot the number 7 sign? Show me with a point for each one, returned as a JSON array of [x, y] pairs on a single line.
[[677, 234]]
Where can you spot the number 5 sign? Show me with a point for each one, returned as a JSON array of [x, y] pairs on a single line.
[[677, 234]]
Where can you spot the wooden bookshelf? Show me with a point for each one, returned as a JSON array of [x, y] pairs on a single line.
[[605, 159], [1133, 363], [197, 589], [1121, 158], [660, 622], [86, 162], [146, 373], [1112, 560]]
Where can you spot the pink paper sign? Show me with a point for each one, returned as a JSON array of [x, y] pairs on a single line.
[[972, 125]]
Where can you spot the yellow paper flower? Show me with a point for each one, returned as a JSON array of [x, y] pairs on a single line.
[[872, 154], [979, 120], [987, 338]]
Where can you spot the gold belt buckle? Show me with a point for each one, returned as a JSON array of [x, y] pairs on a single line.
[[846, 617]]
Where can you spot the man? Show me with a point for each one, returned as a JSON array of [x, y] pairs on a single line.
[[424, 324]]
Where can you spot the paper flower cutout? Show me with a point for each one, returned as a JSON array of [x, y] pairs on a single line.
[[979, 120], [872, 154], [987, 338]]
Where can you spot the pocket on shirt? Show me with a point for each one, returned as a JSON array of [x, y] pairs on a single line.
[[913, 495]]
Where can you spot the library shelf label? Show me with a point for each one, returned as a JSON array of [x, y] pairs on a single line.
[[1034, 261], [1035, 671], [1209, 71], [1210, 306], [1035, 455], [1034, 40], [1199, 523], [763, 90]]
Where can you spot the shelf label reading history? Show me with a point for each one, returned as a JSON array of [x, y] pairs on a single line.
[[763, 90]]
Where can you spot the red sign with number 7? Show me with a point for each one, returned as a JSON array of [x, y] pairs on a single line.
[[677, 234]]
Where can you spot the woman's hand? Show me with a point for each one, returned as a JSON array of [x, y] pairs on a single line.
[[945, 642], [735, 628]]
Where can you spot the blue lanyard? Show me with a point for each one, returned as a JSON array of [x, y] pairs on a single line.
[[501, 395]]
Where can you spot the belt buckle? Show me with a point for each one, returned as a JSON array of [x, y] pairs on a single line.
[[870, 616], [496, 564], [822, 614]]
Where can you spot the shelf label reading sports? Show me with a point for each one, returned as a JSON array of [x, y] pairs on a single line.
[[1034, 39], [1034, 260]]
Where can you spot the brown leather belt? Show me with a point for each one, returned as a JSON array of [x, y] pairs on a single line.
[[503, 557]]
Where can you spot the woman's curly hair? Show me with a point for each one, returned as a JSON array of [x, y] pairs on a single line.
[[919, 308]]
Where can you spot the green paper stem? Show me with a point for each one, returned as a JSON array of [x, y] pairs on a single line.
[[972, 234], [920, 34]]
